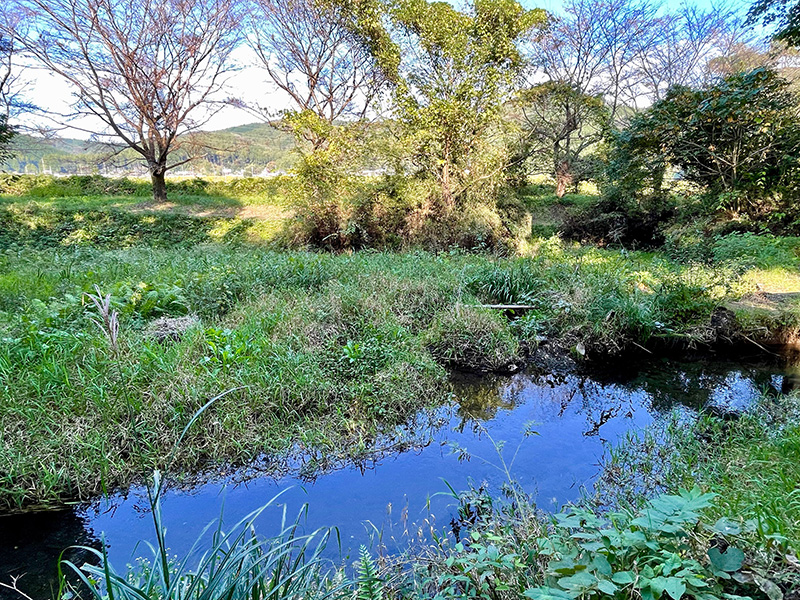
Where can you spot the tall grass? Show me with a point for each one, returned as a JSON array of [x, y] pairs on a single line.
[[325, 351], [221, 564]]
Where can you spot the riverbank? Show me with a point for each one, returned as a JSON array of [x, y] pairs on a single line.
[[317, 352], [398, 502], [309, 353]]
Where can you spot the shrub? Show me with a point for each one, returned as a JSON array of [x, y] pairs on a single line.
[[399, 212], [657, 553], [737, 138], [474, 339], [618, 218]]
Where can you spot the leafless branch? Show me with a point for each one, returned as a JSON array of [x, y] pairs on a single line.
[[145, 70]]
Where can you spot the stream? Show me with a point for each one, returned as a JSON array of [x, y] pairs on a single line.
[[395, 500]]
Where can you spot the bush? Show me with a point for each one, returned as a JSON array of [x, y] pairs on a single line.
[[473, 339], [736, 139], [398, 212]]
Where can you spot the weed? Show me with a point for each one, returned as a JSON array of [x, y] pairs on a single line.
[[108, 321]]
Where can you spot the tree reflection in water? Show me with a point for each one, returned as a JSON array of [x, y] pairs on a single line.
[[30, 547]]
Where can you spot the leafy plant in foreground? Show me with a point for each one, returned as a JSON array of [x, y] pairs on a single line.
[[659, 552], [370, 585], [236, 565]]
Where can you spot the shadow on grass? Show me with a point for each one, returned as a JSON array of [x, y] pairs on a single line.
[[116, 229]]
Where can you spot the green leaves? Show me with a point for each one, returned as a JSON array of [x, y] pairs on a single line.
[[546, 593], [667, 514], [737, 136], [454, 84], [650, 554], [729, 561]]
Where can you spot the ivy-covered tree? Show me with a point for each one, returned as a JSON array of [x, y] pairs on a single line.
[[458, 69]]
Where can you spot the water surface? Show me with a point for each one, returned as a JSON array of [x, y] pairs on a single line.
[[548, 432]]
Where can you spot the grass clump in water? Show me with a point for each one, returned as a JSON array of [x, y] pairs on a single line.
[[222, 563]]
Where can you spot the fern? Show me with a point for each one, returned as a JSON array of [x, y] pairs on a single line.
[[370, 585]]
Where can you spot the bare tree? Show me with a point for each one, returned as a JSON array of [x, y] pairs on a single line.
[[146, 71], [680, 48], [591, 49], [586, 59], [311, 52], [626, 53]]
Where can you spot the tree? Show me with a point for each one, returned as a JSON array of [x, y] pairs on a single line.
[[560, 124], [592, 48], [784, 14], [458, 69], [6, 131], [587, 58], [682, 47], [10, 82], [145, 70], [600, 60], [318, 54], [737, 137]]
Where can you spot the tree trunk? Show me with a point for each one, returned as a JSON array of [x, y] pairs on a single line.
[[158, 176], [447, 192], [563, 178]]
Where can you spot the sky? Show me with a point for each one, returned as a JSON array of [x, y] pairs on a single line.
[[248, 84]]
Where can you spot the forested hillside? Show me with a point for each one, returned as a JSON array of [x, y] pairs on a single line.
[[254, 149]]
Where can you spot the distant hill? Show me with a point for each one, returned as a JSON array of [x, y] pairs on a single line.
[[243, 150]]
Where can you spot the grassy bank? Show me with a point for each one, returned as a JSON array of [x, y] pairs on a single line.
[[320, 349], [320, 355], [44, 211]]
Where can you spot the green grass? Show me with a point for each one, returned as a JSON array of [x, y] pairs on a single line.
[[321, 353], [222, 563], [44, 211], [321, 350], [548, 211]]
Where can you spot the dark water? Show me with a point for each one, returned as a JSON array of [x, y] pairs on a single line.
[[396, 499]]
